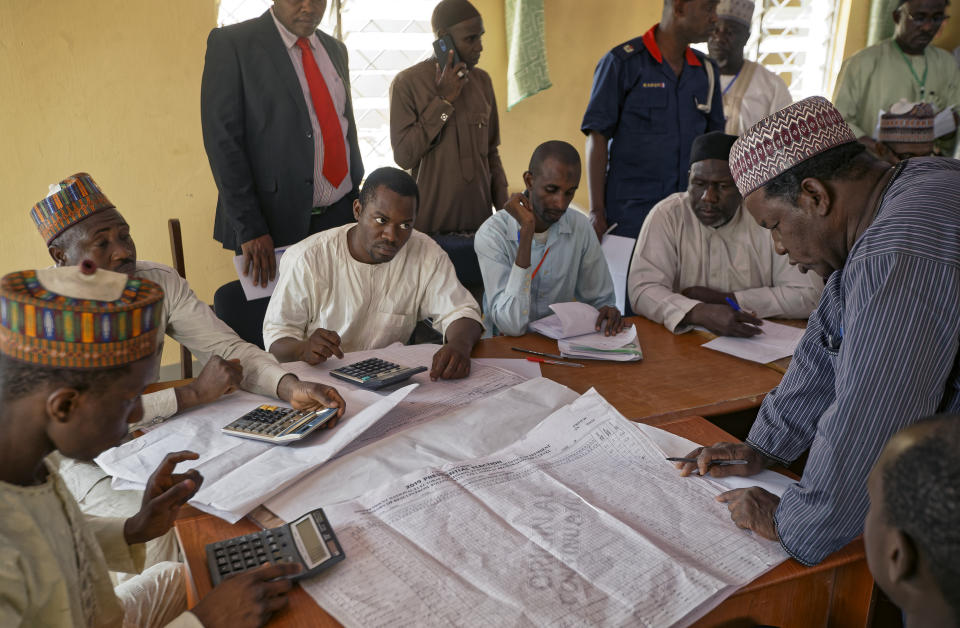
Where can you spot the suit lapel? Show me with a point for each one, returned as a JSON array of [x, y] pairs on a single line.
[[274, 50], [333, 51]]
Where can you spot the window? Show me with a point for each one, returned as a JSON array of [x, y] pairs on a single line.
[[794, 39], [379, 47]]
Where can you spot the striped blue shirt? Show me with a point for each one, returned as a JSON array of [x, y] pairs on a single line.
[[880, 352]]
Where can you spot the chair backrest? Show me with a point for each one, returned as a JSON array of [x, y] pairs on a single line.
[[176, 252], [242, 316]]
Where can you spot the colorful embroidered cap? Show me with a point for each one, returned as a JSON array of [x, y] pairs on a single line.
[[907, 123], [784, 139], [737, 10], [69, 202], [78, 317]]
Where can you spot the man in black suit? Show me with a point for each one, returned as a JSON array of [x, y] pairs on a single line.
[[279, 132]]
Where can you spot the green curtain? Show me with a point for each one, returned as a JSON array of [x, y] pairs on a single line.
[[881, 22], [527, 71]]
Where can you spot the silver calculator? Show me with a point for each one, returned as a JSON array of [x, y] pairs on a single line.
[[278, 425], [375, 373], [309, 541]]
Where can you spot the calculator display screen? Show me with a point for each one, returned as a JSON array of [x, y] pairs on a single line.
[[311, 542]]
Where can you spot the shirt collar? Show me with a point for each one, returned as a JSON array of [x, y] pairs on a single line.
[[290, 39], [650, 42]]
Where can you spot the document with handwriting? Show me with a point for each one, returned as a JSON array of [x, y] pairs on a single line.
[[582, 522]]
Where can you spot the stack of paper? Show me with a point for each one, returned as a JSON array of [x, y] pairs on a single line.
[[622, 347], [574, 327]]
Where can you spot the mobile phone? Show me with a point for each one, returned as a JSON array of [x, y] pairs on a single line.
[[442, 48]]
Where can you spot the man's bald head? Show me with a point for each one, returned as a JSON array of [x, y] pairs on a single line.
[[561, 151]]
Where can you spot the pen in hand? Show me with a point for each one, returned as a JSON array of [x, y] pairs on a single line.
[[719, 463]]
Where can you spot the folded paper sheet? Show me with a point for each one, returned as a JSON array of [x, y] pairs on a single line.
[[239, 474]]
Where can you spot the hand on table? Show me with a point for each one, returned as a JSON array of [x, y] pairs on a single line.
[[311, 395], [614, 320], [756, 461], [723, 320], [259, 260], [217, 378], [165, 493], [450, 363], [753, 509], [321, 345], [248, 599], [451, 78]]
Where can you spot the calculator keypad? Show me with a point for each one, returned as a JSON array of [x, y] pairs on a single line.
[[375, 373], [251, 551], [283, 544], [368, 369], [268, 422]]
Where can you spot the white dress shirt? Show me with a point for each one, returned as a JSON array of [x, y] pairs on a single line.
[[766, 94], [324, 193], [321, 285], [192, 323], [676, 251]]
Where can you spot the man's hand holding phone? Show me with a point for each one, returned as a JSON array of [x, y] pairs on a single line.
[[452, 76]]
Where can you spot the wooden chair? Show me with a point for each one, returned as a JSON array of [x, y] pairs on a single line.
[[176, 251]]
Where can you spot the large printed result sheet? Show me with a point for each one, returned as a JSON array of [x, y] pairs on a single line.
[[582, 522], [240, 474]]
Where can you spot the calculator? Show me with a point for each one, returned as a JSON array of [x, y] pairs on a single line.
[[278, 425], [309, 541], [374, 373]]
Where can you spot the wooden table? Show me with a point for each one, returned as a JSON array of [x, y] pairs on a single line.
[[677, 377], [838, 592]]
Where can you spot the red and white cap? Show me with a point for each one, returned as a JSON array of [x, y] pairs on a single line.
[[784, 139]]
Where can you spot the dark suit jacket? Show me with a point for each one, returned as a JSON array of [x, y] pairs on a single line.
[[257, 133]]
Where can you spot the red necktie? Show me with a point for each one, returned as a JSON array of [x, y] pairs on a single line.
[[334, 151]]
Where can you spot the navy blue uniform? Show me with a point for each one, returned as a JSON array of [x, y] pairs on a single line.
[[651, 119]]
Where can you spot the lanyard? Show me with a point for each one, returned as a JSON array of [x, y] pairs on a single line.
[[921, 82], [737, 75], [537, 269]]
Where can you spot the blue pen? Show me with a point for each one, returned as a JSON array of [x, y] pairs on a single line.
[[732, 303]]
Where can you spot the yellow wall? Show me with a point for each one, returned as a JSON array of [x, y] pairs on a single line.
[[113, 88], [859, 23], [576, 39]]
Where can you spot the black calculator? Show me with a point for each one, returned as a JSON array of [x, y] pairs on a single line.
[[278, 425], [309, 541], [375, 373]]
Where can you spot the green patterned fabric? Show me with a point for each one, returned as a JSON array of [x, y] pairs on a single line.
[[527, 71]]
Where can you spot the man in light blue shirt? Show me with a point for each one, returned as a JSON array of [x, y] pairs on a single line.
[[534, 253]]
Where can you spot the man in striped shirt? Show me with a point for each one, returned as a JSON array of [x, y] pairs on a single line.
[[880, 351]]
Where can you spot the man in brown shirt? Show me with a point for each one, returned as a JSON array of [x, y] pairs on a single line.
[[444, 128]]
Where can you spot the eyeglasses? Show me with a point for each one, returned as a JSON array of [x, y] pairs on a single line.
[[935, 20]]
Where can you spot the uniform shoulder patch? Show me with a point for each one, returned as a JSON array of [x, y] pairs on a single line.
[[628, 48]]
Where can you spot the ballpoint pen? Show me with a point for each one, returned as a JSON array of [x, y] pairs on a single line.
[[542, 355], [719, 463], [555, 362], [736, 306]]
